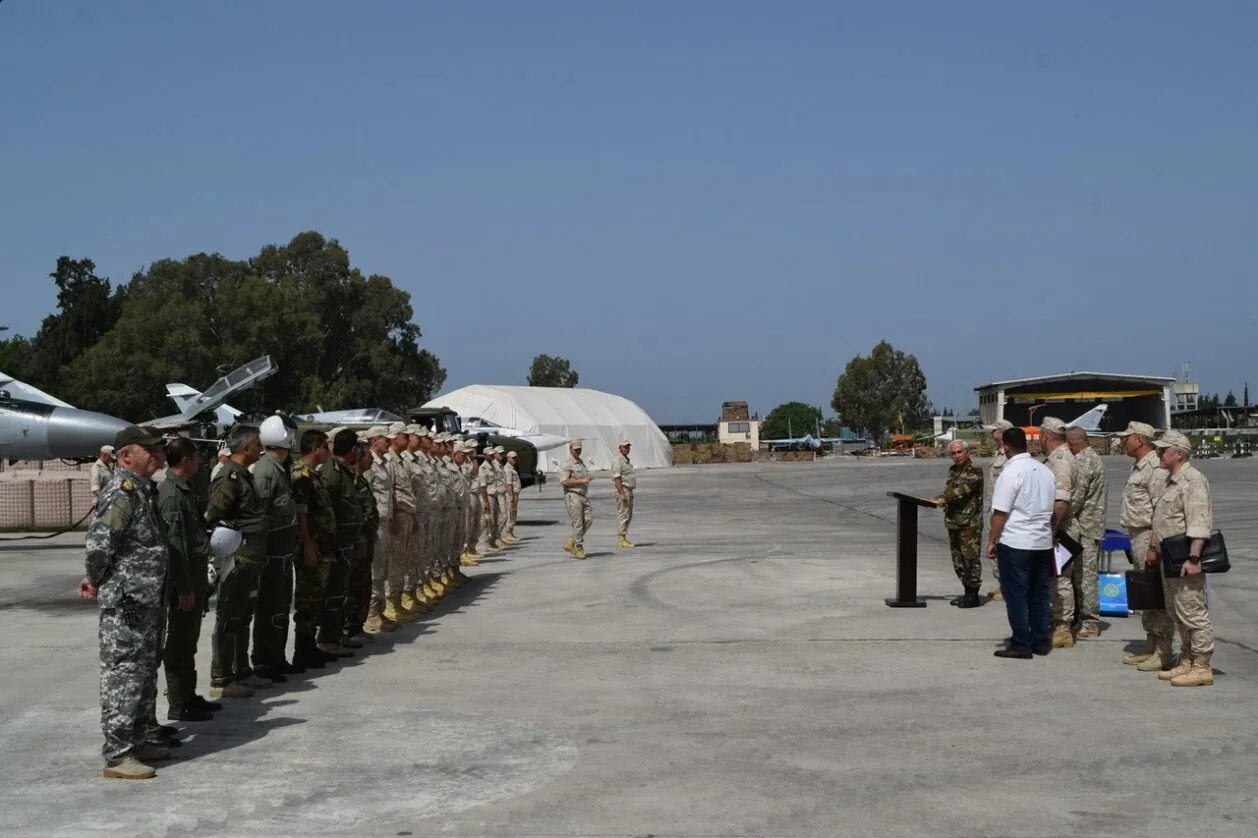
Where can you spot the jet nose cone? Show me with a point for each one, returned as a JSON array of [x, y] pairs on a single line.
[[80, 433]]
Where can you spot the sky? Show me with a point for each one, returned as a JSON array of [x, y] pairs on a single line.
[[693, 202]]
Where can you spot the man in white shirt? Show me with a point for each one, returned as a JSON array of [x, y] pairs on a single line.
[[1021, 540]]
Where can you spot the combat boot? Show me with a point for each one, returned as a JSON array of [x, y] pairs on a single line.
[[336, 650], [152, 753], [624, 543], [188, 713], [129, 768], [426, 597], [349, 642], [1089, 632], [231, 691], [393, 611], [361, 637], [569, 547], [305, 654], [1062, 638], [500, 544], [438, 590], [1140, 657], [1182, 668], [466, 560], [408, 603], [578, 552], [255, 681], [997, 596], [1201, 675], [970, 600]]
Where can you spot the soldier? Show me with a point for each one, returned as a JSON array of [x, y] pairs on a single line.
[[451, 576], [428, 501], [234, 503], [316, 532], [993, 472], [503, 510], [358, 597], [400, 606], [273, 481], [102, 471], [1184, 509], [1062, 464], [513, 494], [380, 477], [1087, 508], [1143, 488], [962, 503], [575, 479], [338, 478], [126, 571], [626, 481], [183, 530], [475, 505], [489, 522]]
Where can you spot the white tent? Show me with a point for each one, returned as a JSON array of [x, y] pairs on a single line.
[[599, 420]]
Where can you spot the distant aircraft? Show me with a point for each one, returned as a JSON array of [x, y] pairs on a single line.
[[182, 394], [540, 441], [37, 426], [1090, 421]]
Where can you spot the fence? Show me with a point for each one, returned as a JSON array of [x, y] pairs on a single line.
[[43, 503]]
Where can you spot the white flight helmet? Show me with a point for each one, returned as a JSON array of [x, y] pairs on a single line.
[[225, 541], [275, 434]]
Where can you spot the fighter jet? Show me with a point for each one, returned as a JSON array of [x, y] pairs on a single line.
[[195, 405], [37, 426]]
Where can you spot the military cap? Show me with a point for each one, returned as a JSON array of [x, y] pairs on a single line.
[[576, 443], [1173, 439], [397, 428], [1053, 424], [413, 429], [135, 435], [375, 431], [332, 433], [1146, 431], [511, 454], [107, 449], [623, 443], [1001, 425]]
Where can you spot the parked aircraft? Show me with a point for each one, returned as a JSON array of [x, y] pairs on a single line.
[[1090, 421], [37, 426], [542, 442]]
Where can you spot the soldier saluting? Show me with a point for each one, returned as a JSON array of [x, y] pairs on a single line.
[[126, 571]]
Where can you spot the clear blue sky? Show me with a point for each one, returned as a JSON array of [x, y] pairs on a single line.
[[693, 201]]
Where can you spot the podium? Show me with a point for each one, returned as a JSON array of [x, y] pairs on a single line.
[[906, 550]]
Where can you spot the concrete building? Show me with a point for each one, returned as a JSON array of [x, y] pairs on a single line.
[[1028, 401], [742, 430]]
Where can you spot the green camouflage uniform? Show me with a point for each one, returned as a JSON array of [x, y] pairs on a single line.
[[234, 502], [275, 583], [126, 560], [312, 501], [339, 481], [183, 528], [1089, 496], [963, 510], [358, 599]]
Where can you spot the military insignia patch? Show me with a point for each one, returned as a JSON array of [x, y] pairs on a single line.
[[126, 485], [232, 475]]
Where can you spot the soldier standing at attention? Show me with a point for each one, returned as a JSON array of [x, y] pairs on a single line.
[[183, 527], [962, 503], [485, 478], [358, 601], [316, 531], [626, 481], [476, 510], [380, 478], [502, 500], [1062, 464], [1143, 488], [993, 472], [428, 504], [1184, 509], [126, 570], [273, 481], [1088, 500], [234, 503], [338, 477], [513, 495], [575, 479], [102, 471]]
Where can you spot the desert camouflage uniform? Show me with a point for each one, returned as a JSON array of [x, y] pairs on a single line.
[[273, 481], [429, 501], [99, 479], [1144, 486], [502, 511], [380, 477], [339, 480], [401, 542], [622, 468], [576, 499], [963, 507], [234, 502], [513, 497], [458, 520], [1089, 496], [476, 509], [358, 597], [310, 497], [993, 472], [126, 560], [1184, 509], [1061, 462], [449, 508]]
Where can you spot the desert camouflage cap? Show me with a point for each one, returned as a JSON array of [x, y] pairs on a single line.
[[1173, 439], [1147, 431], [1053, 424], [1001, 425], [107, 449]]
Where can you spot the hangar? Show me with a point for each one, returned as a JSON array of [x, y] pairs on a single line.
[[1028, 401]]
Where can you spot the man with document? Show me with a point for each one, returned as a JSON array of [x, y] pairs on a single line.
[[1021, 541]]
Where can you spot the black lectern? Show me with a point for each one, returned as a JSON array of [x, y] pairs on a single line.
[[906, 550]]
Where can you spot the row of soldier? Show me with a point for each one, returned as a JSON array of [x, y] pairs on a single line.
[[1164, 497], [351, 536]]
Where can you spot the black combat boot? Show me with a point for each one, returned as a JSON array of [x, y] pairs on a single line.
[[970, 600], [306, 655]]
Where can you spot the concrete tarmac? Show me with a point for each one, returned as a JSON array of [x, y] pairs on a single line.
[[737, 674]]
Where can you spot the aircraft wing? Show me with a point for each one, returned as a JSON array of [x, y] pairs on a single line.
[[25, 392], [236, 381]]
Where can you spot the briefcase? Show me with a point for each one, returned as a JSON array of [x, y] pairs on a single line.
[[1174, 553], [1144, 590]]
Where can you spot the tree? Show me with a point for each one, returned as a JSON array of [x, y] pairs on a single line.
[[552, 372], [885, 390], [87, 308], [14, 353], [1230, 400], [793, 419], [974, 411], [340, 339]]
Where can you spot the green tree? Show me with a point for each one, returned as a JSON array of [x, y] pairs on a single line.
[[552, 372], [87, 307], [14, 353], [340, 338], [883, 391], [1230, 400], [792, 419]]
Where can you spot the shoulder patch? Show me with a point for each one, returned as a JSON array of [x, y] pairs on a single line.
[[232, 475], [127, 485]]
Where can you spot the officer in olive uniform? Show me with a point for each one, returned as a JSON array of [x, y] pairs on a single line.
[[183, 526], [316, 531], [272, 478], [234, 503], [338, 478], [358, 598], [962, 503], [126, 565]]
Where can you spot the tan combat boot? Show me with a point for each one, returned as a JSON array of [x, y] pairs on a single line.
[[1182, 668], [1062, 638], [569, 547], [997, 596], [500, 544], [579, 552], [624, 543], [438, 590], [1140, 657], [466, 560], [230, 691], [129, 768], [373, 624], [393, 611], [1201, 675]]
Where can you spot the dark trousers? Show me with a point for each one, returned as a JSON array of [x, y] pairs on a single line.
[[270, 618], [333, 619], [1025, 577], [180, 655], [358, 594], [237, 593]]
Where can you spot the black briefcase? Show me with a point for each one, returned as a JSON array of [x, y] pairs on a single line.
[[1144, 590], [1213, 558]]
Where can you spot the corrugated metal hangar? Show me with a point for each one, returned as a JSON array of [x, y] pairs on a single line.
[[1028, 401]]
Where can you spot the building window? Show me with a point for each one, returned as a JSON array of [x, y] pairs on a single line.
[[740, 427]]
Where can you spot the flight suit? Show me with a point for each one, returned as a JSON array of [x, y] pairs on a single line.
[[183, 530], [339, 481], [273, 481], [234, 503]]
